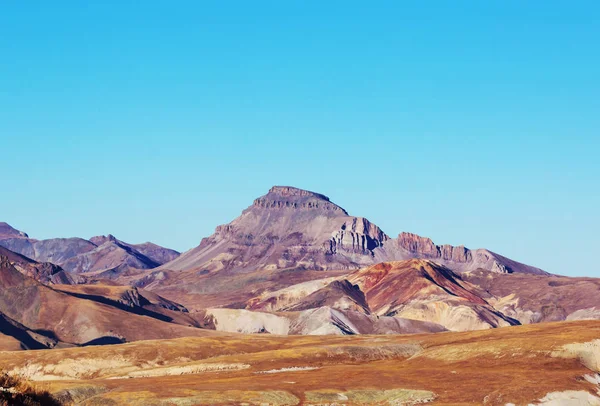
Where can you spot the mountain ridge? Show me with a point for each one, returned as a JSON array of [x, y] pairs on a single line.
[[77, 255], [295, 228], [286, 228]]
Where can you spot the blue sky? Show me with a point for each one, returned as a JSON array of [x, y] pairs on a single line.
[[470, 122]]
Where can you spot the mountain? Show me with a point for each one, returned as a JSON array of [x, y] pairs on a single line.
[[287, 237], [151, 254], [55, 250], [378, 298], [77, 319], [459, 259], [109, 256], [291, 228], [287, 228], [293, 262], [105, 255], [339, 294]]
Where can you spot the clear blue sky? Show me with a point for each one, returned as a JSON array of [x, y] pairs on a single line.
[[472, 122]]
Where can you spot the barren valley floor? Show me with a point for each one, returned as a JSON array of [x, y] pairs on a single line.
[[548, 363]]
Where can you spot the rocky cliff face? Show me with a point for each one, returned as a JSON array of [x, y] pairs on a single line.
[[425, 248], [288, 228], [459, 258], [358, 235]]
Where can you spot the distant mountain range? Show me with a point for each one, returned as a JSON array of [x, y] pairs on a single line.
[[293, 262], [291, 228], [288, 228], [103, 256], [36, 316]]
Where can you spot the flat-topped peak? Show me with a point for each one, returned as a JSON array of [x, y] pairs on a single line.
[[288, 197], [290, 191]]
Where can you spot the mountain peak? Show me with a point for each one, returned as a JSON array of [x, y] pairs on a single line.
[[288, 197], [288, 228], [290, 191], [7, 230], [101, 239]]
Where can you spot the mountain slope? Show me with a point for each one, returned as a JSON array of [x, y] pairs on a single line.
[[7, 231], [323, 320], [55, 250], [539, 298], [413, 289], [423, 290], [76, 320], [44, 272], [14, 336], [339, 294]]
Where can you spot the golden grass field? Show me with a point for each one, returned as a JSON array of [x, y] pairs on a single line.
[[533, 364]]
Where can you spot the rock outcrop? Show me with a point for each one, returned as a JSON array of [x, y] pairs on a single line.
[[424, 247], [459, 258]]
